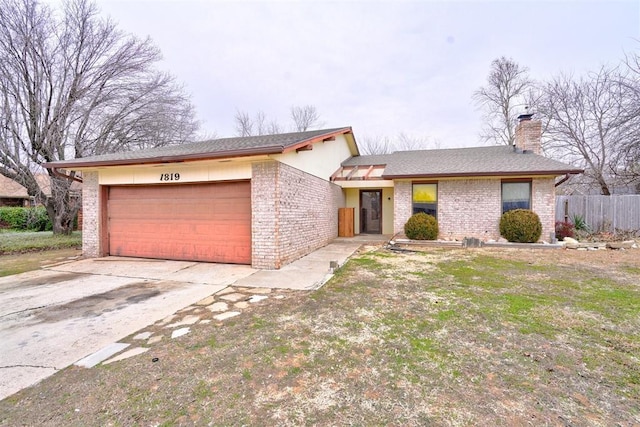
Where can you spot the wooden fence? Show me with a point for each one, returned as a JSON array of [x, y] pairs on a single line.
[[618, 213]]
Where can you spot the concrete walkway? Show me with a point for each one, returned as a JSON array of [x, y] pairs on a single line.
[[309, 272]]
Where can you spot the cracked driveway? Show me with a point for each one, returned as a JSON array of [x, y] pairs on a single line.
[[53, 317]]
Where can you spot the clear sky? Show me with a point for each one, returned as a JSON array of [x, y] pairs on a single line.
[[380, 67]]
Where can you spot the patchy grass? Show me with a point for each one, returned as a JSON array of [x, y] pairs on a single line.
[[444, 337], [12, 242], [15, 264]]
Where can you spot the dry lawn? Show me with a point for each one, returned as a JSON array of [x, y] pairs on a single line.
[[441, 337]]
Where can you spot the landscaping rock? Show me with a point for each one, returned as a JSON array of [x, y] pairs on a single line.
[[142, 336], [180, 332], [233, 297], [226, 315], [627, 244], [154, 340], [186, 320], [218, 306], [257, 298], [127, 354], [241, 304], [206, 301]]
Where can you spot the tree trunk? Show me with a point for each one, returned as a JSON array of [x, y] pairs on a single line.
[[62, 206]]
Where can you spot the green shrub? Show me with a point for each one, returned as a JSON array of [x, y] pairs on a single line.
[[520, 226], [26, 219], [421, 227]]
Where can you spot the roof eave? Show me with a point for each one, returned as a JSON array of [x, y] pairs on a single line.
[[167, 159], [318, 138], [485, 174]]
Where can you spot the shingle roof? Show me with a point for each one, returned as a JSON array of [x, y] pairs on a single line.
[[210, 149], [477, 161]]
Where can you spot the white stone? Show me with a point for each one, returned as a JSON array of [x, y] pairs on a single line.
[[142, 336], [206, 301], [226, 315], [241, 304], [261, 291], [180, 332], [257, 298], [233, 297], [155, 339], [102, 354], [570, 241], [186, 320], [205, 321], [127, 354], [167, 319], [219, 306]]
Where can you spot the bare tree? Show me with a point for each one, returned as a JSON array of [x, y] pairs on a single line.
[[629, 148], [305, 117], [256, 125], [405, 142], [73, 85], [589, 122], [244, 123], [507, 92], [375, 144]]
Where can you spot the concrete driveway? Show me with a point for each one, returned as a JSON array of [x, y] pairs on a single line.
[[53, 317]]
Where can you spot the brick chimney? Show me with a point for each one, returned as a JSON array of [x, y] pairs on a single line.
[[528, 134]]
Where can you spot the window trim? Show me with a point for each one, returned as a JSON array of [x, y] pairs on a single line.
[[413, 183], [516, 181]]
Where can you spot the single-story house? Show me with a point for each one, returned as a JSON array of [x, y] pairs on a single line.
[[268, 200], [12, 193]]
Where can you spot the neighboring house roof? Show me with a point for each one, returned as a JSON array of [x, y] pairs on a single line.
[[210, 149], [456, 162], [9, 189]]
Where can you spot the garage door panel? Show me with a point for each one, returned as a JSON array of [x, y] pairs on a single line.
[[200, 222]]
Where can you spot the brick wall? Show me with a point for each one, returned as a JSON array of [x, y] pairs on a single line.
[[543, 202], [469, 208], [293, 213], [90, 215], [473, 207], [402, 205]]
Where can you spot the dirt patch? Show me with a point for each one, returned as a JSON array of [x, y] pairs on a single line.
[[445, 337]]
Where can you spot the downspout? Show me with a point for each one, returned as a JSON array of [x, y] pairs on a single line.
[[566, 177]]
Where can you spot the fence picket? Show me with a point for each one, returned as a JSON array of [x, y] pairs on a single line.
[[617, 213]]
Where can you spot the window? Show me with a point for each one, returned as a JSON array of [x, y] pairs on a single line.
[[425, 199], [516, 195]]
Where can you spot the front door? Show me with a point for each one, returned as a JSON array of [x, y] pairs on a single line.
[[371, 211]]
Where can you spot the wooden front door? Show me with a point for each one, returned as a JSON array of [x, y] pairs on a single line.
[[371, 211]]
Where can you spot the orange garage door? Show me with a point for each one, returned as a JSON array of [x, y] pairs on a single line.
[[194, 222]]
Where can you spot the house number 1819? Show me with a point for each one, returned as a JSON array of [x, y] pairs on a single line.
[[170, 177]]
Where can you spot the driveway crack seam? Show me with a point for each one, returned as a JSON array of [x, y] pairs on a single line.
[[22, 311], [29, 366]]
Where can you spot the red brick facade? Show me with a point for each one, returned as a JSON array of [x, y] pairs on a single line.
[[293, 213], [473, 207]]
